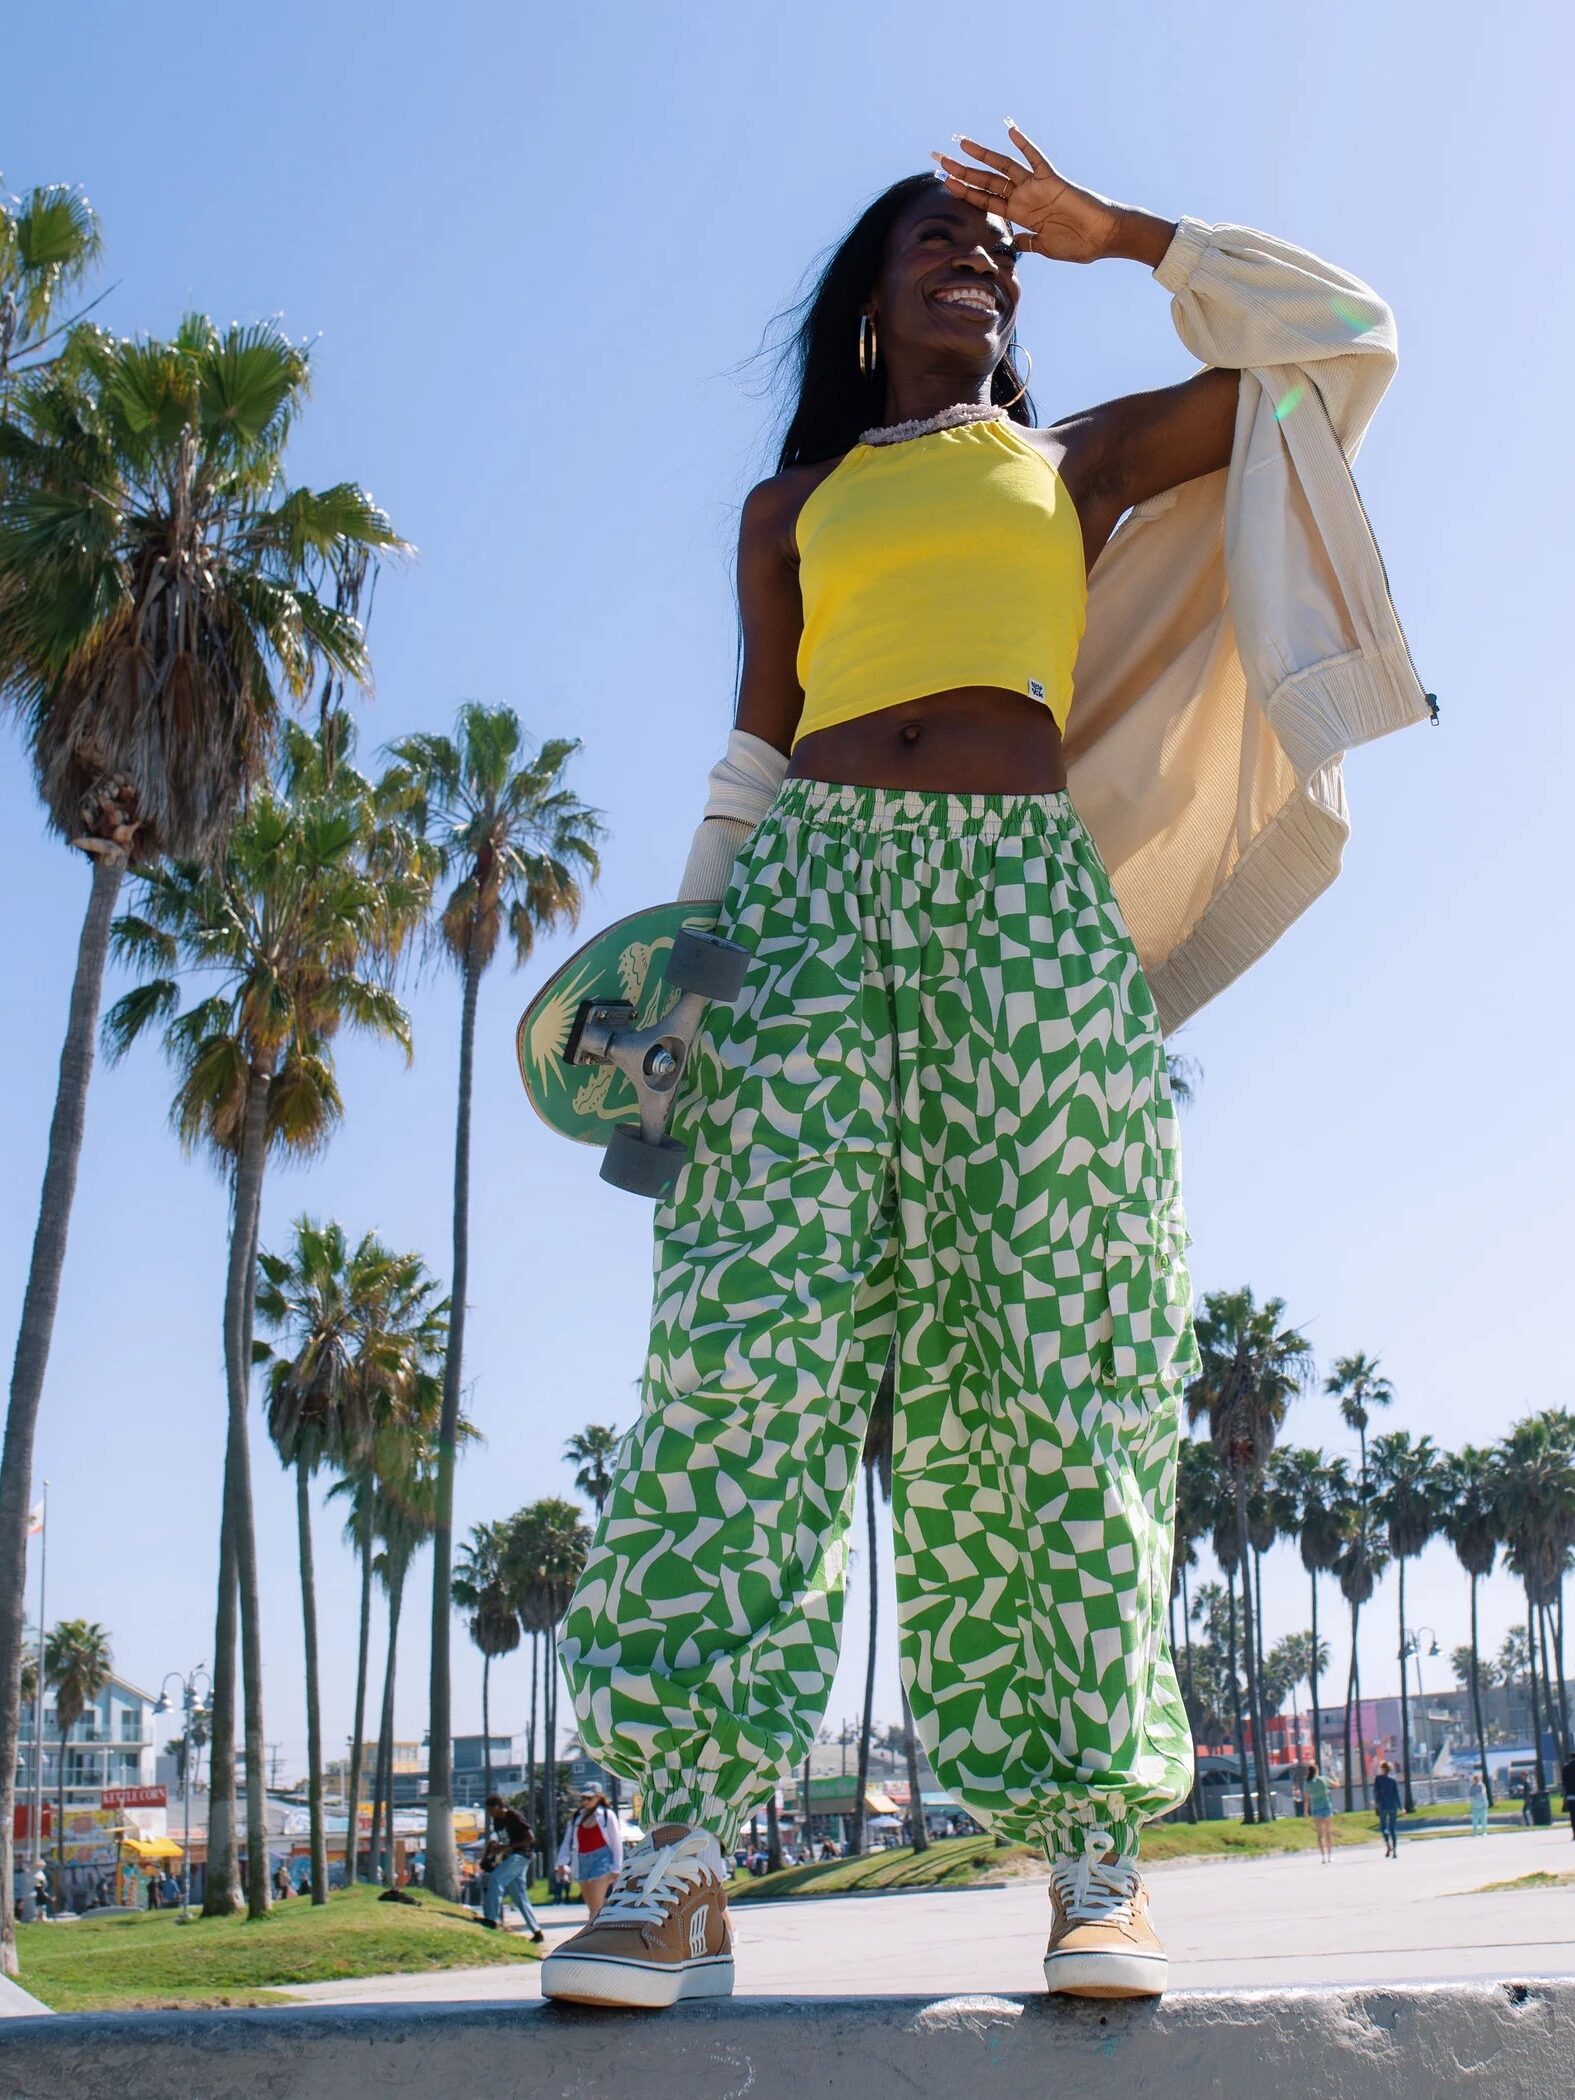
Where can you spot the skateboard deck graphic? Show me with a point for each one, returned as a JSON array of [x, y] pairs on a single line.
[[625, 961]]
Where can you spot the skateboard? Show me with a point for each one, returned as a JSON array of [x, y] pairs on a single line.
[[604, 1043]]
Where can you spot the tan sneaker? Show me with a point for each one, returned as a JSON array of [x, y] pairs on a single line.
[[1101, 1942], [663, 1933]]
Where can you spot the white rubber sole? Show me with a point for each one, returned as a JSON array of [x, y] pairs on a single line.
[[602, 1979], [1112, 1975]]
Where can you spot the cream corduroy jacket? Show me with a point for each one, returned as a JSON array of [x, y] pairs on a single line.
[[1241, 636]]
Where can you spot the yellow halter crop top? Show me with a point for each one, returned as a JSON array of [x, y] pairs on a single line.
[[952, 557]]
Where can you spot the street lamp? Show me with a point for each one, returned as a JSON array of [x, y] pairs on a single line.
[[1411, 1646], [190, 1708]]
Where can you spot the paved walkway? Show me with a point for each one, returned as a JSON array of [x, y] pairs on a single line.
[[1228, 1924]]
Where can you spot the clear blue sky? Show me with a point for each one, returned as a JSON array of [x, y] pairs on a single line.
[[534, 250]]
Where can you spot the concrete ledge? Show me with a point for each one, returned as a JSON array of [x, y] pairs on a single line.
[[1512, 2040]]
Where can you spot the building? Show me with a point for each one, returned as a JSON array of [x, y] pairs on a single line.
[[110, 1746]]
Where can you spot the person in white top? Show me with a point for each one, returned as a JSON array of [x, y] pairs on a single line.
[[592, 1847]]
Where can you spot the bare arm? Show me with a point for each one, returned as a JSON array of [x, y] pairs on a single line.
[[770, 698]]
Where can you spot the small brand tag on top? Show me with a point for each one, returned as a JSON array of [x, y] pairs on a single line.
[[1036, 688]]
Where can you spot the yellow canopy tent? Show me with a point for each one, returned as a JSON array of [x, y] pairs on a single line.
[[150, 1848]]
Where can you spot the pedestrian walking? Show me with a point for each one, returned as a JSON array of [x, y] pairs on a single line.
[[593, 1847], [1386, 1799], [1477, 1796], [506, 1867], [1567, 1781], [1320, 1806]]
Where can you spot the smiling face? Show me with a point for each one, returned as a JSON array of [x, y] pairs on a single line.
[[947, 293]]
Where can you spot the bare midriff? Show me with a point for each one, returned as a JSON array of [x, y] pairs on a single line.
[[970, 740]]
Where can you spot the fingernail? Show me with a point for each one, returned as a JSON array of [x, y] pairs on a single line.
[[956, 138], [1011, 123]]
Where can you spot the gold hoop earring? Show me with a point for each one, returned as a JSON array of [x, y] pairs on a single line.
[[868, 348], [1028, 356]]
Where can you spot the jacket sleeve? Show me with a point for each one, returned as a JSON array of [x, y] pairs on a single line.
[[612, 1831], [566, 1849], [1245, 301]]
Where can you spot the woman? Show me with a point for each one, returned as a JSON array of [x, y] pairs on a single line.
[[592, 1848], [937, 1118], [1477, 1796], [1321, 1808]]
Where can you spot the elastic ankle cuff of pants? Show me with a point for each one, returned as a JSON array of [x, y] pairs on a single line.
[[675, 1801], [1064, 1830]]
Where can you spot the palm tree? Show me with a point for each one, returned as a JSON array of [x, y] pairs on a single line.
[[406, 1324], [324, 1299], [592, 1450], [1470, 1519], [49, 240], [1250, 1369], [298, 921], [159, 599], [480, 1589], [1307, 1491], [1408, 1480], [402, 1523], [1357, 1384], [77, 1662], [546, 1548], [876, 1462], [1537, 1473], [521, 845], [1364, 1554]]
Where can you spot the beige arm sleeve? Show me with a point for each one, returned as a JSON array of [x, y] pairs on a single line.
[[743, 786]]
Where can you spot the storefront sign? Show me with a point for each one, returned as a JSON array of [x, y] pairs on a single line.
[[134, 1797]]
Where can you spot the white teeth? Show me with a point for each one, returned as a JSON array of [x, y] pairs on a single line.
[[979, 302]]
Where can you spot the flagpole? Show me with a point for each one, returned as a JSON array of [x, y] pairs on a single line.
[[38, 1695]]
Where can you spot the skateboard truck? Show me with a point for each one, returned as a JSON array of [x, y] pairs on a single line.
[[701, 967]]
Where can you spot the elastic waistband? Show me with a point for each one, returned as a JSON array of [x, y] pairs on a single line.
[[838, 804]]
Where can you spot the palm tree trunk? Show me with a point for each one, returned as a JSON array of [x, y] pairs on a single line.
[[221, 1886], [773, 1834], [1556, 1729], [1190, 1700], [1558, 1657], [920, 1836], [860, 1801], [383, 1806], [486, 1723], [363, 1652], [1249, 1649], [1531, 1682], [60, 1813], [1248, 1812], [314, 1716], [1356, 1677], [549, 1748], [530, 1732], [1476, 1697], [442, 1864], [1350, 1685], [34, 1333], [1312, 1675], [237, 1369], [1405, 1701]]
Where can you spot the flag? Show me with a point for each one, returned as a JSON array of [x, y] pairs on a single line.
[[35, 1520]]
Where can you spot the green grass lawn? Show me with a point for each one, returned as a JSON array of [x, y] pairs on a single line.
[[968, 1862], [1526, 1881], [151, 1959]]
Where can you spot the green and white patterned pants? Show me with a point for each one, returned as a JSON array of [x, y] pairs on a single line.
[[938, 1113]]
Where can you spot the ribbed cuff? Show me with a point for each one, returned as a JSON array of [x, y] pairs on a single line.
[[1181, 258], [1062, 1827], [710, 864], [674, 1801]]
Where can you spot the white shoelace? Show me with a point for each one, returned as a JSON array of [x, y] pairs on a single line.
[[652, 1880], [1094, 1890]]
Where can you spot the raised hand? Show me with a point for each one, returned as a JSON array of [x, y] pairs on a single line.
[[1056, 217]]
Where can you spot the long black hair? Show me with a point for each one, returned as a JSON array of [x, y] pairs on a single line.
[[835, 400]]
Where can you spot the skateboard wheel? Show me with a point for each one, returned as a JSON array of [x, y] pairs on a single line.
[[644, 1170], [705, 963]]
